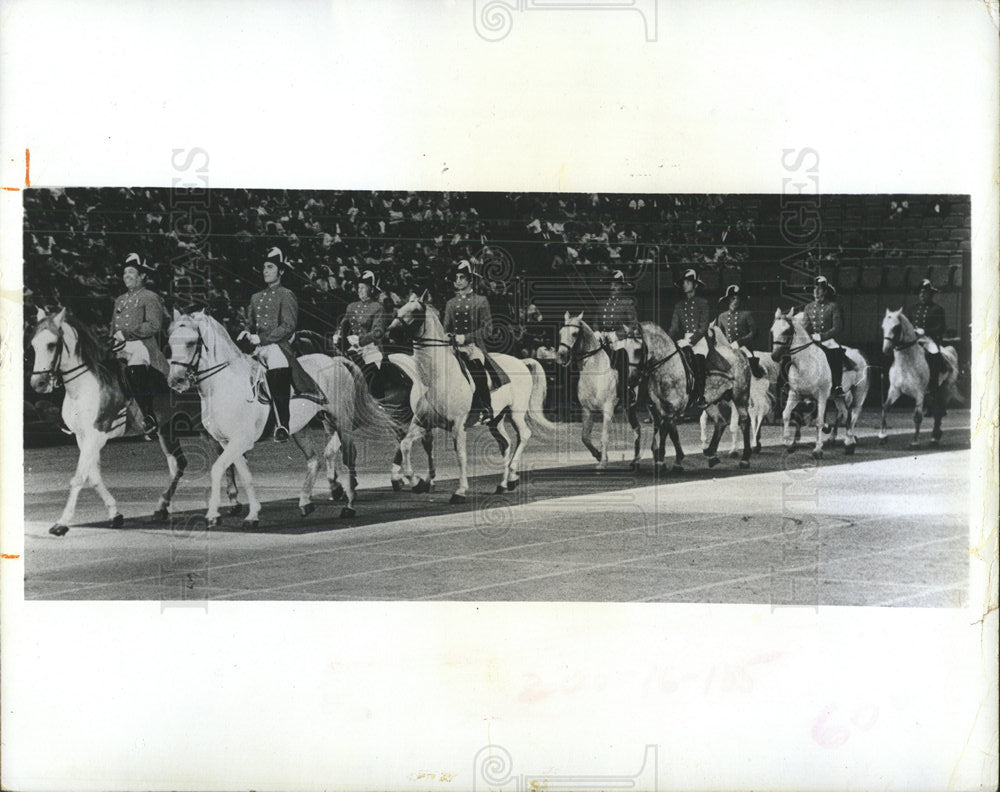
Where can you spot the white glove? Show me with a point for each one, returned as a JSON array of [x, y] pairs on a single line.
[[118, 336], [460, 339], [815, 336], [684, 342], [336, 338], [735, 344], [918, 330], [687, 337], [244, 334], [254, 339], [352, 340]]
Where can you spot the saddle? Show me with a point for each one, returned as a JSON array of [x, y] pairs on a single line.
[[495, 376]]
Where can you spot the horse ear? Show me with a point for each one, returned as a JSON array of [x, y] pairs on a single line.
[[199, 314], [425, 297], [568, 317], [777, 313], [58, 318], [887, 312], [580, 317], [40, 315], [900, 309], [177, 314]]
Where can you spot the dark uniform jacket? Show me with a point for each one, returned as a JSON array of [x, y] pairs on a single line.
[[738, 326], [139, 316], [468, 315], [366, 320], [274, 315], [617, 312], [690, 316], [929, 318], [823, 318]]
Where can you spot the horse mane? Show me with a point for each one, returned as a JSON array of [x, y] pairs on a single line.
[[219, 331], [90, 350], [656, 338], [904, 321]]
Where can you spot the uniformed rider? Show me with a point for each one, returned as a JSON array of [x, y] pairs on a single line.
[[467, 321], [823, 323], [362, 330], [136, 326], [617, 320], [929, 322], [739, 326], [688, 328], [272, 322]]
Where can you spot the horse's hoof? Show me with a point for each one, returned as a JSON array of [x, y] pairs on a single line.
[[337, 493], [397, 485], [790, 449], [595, 455], [500, 490], [216, 523], [826, 428], [849, 449], [914, 445], [633, 466], [250, 524], [58, 530], [817, 454], [713, 461], [757, 448], [236, 510], [456, 499], [354, 481], [512, 484], [677, 469], [347, 512], [116, 522], [935, 441], [734, 454], [744, 464], [161, 515], [421, 487], [883, 439], [308, 509]]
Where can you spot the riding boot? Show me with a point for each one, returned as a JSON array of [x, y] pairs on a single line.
[[698, 396], [279, 383], [481, 397], [836, 360], [622, 367], [371, 374], [141, 389], [935, 363], [755, 368]]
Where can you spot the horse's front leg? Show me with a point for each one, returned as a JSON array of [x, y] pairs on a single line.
[[462, 452], [176, 464], [224, 460], [703, 426], [115, 519], [890, 399], [253, 510], [586, 427], [744, 423], [718, 424], [608, 413], [821, 401], [306, 506], [668, 427], [734, 429], [787, 435], [414, 433], [633, 419], [918, 418], [89, 448]]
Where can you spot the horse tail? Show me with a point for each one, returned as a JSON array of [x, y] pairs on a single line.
[[950, 357], [536, 401]]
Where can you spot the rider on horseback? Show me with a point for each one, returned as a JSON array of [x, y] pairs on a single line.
[[136, 324], [615, 321], [739, 327], [272, 322], [688, 328], [467, 320], [823, 323], [929, 323], [363, 330]]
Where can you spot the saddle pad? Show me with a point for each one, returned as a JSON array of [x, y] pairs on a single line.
[[495, 376], [715, 362]]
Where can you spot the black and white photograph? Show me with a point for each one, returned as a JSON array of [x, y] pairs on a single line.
[[499, 395]]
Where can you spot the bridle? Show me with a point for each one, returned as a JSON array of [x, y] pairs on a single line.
[[574, 356], [196, 375], [411, 328], [58, 375], [786, 340], [893, 339]]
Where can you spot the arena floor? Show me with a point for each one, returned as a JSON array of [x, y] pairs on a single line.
[[885, 527]]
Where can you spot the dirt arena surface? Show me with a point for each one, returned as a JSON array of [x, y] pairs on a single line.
[[887, 526]]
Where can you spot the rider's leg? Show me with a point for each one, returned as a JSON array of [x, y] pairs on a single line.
[[279, 383], [698, 397], [140, 385], [622, 367], [834, 356], [755, 368], [481, 397]]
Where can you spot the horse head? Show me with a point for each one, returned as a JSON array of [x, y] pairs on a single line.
[[411, 316], [186, 344], [892, 330], [569, 337], [636, 351], [49, 342], [782, 332]]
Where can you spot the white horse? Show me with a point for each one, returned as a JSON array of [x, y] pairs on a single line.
[[597, 388], [95, 409], [809, 377], [418, 427], [910, 375], [449, 395], [763, 396], [203, 355]]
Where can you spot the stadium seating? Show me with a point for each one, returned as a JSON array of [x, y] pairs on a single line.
[[871, 277], [848, 278]]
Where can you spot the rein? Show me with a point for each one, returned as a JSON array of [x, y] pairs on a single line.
[[896, 345], [575, 356], [195, 375], [58, 374]]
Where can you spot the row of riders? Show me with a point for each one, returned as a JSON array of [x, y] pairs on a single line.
[[442, 377]]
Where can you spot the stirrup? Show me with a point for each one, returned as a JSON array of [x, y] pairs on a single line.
[[280, 434], [150, 429]]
